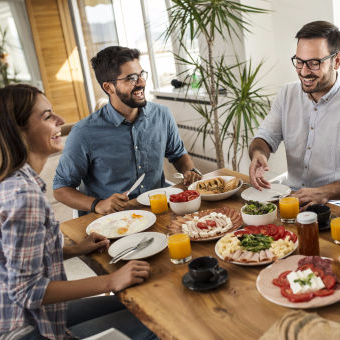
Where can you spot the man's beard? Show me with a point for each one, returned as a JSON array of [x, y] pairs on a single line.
[[323, 83], [128, 100]]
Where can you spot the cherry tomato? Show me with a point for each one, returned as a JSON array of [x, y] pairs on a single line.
[[202, 225], [329, 281], [210, 223], [323, 292]]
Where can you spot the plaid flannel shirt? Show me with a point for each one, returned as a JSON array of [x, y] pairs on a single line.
[[30, 256]]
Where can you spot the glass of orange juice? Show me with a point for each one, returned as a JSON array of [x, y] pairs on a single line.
[[335, 230], [289, 208], [158, 202], [179, 248]]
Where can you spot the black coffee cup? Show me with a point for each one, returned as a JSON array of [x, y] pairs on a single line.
[[204, 269], [323, 212]]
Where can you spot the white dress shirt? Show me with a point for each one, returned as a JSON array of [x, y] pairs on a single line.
[[310, 132]]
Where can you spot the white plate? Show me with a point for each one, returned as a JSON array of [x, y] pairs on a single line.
[[266, 195], [144, 197], [217, 197], [262, 263], [105, 225], [272, 293], [159, 243]]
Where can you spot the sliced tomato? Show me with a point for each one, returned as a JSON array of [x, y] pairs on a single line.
[[191, 192], [180, 199], [305, 266], [210, 223], [191, 197], [281, 231], [272, 229], [323, 292], [241, 232], [202, 225], [329, 281], [287, 233], [264, 230], [293, 237], [288, 293], [251, 228], [282, 280], [318, 272]]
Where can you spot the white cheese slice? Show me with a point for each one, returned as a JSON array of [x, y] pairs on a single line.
[[297, 288]]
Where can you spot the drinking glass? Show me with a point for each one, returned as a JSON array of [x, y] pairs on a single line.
[[179, 248], [335, 230], [289, 208], [158, 202]]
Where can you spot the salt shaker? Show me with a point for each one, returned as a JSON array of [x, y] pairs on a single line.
[[308, 233]]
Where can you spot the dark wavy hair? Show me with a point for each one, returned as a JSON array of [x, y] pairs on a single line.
[[16, 104], [321, 29], [106, 64]]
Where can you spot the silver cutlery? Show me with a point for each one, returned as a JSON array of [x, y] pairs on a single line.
[[135, 185], [141, 245]]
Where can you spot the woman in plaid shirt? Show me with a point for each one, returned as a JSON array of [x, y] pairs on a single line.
[[33, 286]]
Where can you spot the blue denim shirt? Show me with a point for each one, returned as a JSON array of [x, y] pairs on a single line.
[[108, 154]]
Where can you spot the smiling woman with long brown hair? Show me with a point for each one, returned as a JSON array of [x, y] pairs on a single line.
[[33, 285]]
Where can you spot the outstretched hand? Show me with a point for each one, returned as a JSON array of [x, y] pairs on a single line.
[[190, 177], [257, 169], [310, 196]]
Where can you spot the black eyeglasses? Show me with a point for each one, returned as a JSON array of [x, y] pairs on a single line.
[[134, 77], [312, 64]]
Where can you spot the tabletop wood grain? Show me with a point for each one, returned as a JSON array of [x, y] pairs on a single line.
[[235, 310]]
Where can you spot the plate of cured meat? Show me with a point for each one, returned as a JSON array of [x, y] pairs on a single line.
[[275, 284], [207, 225], [256, 245]]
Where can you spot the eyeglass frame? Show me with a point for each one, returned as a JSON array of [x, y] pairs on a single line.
[[133, 81], [313, 59]]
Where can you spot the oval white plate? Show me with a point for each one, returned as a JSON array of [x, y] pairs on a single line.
[[101, 225], [273, 294], [159, 243], [144, 197], [253, 263], [217, 197], [266, 195]]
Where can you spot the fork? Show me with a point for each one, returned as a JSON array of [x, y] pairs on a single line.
[[123, 252]]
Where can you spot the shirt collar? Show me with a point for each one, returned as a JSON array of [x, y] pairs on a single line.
[[117, 119], [332, 92], [29, 172]]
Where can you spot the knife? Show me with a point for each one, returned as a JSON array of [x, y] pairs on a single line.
[[140, 246], [135, 185]]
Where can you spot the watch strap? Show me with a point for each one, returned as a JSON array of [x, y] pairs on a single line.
[[94, 203]]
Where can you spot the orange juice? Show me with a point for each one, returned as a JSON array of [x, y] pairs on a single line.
[[335, 230], [158, 203], [289, 208], [179, 248]]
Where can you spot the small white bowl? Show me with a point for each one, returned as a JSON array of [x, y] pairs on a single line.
[[259, 219], [182, 208]]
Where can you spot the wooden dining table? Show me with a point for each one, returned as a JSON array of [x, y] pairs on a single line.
[[235, 310]]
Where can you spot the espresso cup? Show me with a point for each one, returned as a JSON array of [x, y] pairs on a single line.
[[204, 269], [323, 212]]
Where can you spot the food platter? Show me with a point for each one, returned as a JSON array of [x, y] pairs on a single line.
[[254, 263], [122, 223], [220, 196], [234, 215], [273, 294], [144, 197], [266, 195]]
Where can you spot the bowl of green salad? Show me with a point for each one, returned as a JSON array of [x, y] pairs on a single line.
[[259, 213]]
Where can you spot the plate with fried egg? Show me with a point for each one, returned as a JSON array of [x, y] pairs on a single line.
[[122, 223]]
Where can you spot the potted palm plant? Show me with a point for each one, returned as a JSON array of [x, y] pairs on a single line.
[[243, 104]]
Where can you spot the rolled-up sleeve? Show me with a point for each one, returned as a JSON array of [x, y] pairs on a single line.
[[271, 128], [74, 161], [175, 148], [23, 240]]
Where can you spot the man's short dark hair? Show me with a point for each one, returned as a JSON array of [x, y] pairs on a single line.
[[106, 64], [321, 29]]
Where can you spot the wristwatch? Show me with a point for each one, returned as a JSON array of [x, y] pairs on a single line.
[[197, 171], [94, 203]]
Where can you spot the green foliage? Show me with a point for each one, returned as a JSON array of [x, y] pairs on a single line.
[[244, 103]]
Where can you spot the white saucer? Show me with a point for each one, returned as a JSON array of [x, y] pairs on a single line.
[[266, 195]]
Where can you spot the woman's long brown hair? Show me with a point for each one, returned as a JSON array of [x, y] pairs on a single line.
[[16, 104]]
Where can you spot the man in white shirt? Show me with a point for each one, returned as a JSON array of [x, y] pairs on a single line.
[[306, 117]]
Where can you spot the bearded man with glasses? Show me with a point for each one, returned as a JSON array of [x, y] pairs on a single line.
[[109, 150], [306, 117]]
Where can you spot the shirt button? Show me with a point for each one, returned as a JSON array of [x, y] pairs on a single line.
[[305, 166], [308, 148], [315, 109], [303, 184], [139, 167], [136, 147], [311, 127], [142, 186]]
